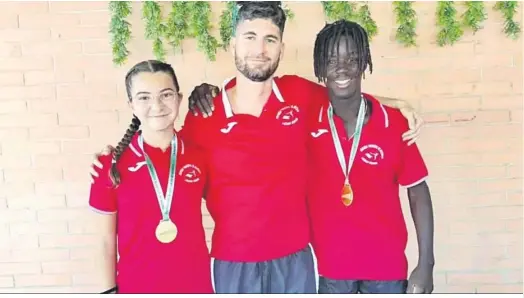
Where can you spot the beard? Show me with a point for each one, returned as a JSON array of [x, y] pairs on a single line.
[[256, 74]]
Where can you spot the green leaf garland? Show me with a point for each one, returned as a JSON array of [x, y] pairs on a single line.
[[450, 30], [406, 18], [154, 29], [120, 30], [509, 10], [191, 19], [474, 15]]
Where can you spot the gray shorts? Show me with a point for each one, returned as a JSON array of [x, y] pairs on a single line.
[[331, 286], [292, 274]]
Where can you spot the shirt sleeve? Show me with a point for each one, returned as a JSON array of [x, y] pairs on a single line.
[[192, 130], [412, 169], [102, 196]]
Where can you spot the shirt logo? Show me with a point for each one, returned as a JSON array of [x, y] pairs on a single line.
[[288, 115], [190, 173], [319, 132], [137, 166], [371, 154], [228, 128]]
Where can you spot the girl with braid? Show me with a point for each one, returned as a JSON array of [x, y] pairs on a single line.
[[149, 194]]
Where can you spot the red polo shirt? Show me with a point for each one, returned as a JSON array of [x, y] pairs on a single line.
[[147, 265], [257, 177], [367, 240]]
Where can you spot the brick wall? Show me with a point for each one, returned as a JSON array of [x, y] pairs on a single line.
[[61, 100]]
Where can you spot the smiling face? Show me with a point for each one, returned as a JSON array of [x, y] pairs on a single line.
[[258, 49], [155, 100], [343, 76]]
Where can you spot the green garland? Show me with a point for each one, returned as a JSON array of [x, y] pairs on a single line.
[[120, 30], [474, 15], [450, 29], [154, 29], [190, 19], [177, 27], [199, 28], [336, 10], [406, 18], [508, 10], [225, 24]]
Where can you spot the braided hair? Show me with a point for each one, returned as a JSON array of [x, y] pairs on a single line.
[[251, 10], [328, 39], [144, 66]]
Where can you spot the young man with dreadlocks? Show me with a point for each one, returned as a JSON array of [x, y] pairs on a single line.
[[258, 164], [356, 166]]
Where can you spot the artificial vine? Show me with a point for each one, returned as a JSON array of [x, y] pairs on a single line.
[[336, 10], [406, 18], [474, 15], [509, 10], [120, 30], [177, 26], [154, 28], [450, 29], [199, 27], [191, 19]]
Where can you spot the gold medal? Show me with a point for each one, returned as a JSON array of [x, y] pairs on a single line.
[[166, 231], [347, 194]]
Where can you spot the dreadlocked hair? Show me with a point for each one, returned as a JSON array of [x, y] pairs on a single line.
[[151, 66], [270, 10], [328, 40]]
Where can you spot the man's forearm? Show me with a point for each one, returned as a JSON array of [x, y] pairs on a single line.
[[392, 102], [422, 213]]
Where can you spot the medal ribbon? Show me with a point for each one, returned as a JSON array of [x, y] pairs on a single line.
[[356, 138], [164, 202]]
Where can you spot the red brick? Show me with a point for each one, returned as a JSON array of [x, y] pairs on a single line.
[[51, 48], [11, 78], [22, 35], [514, 198], [61, 188], [39, 255], [42, 280], [58, 133], [26, 63], [79, 62]]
